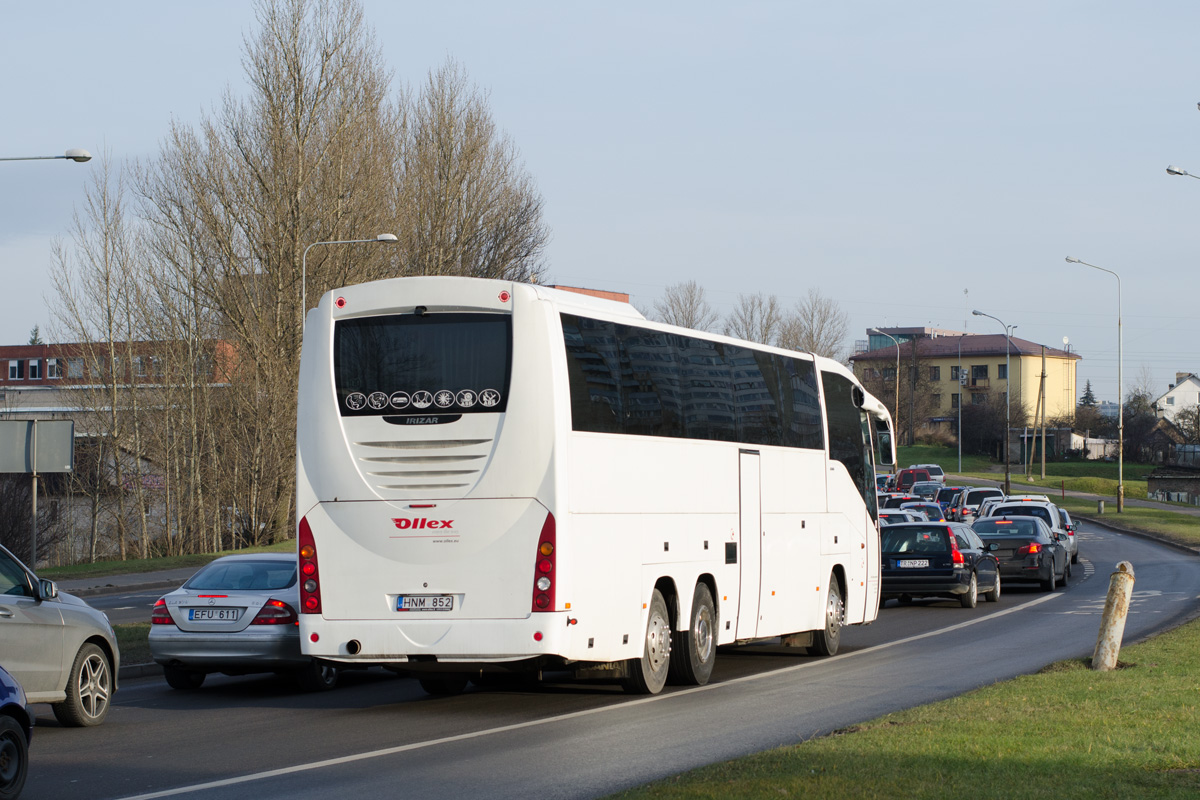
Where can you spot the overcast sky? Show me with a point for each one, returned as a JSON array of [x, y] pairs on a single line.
[[913, 161]]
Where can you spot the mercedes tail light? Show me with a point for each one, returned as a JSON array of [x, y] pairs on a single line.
[[276, 612], [544, 568], [310, 577], [160, 615]]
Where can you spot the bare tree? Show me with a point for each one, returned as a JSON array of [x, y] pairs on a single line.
[[466, 205], [818, 325], [1143, 385], [684, 304], [755, 318]]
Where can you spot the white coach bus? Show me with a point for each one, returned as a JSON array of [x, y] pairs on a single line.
[[497, 476]]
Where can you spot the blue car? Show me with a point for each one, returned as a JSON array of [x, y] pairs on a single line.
[[16, 732]]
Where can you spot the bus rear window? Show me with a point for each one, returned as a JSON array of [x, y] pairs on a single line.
[[405, 364]]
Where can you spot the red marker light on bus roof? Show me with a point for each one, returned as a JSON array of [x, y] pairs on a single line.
[[340, 302], [505, 296]]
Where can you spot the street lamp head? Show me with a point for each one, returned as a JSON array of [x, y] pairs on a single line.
[[1174, 170], [1073, 260], [78, 154], [387, 237], [977, 313]]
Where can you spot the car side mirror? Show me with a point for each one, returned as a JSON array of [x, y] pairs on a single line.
[[990, 546], [47, 590]]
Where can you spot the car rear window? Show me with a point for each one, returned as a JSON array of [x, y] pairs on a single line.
[[916, 539], [1005, 527], [935, 470], [977, 496], [1024, 511], [244, 576]]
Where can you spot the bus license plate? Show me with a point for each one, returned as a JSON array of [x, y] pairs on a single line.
[[425, 602], [226, 614], [910, 563]]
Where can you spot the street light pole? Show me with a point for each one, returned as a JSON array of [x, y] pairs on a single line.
[[74, 154], [896, 419], [1007, 397], [1120, 387], [389, 238]]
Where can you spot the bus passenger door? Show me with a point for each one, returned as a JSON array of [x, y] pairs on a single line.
[[750, 519]]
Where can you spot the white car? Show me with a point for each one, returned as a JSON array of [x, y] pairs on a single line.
[[60, 649]]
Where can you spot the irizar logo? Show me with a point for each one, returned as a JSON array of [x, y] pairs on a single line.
[[421, 522]]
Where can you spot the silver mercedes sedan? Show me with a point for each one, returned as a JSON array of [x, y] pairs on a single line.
[[62, 650], [236, 616]]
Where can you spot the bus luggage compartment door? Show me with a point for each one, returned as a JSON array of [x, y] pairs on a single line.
[[750, 518]]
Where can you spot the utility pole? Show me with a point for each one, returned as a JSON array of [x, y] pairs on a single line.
[[1042, 392]]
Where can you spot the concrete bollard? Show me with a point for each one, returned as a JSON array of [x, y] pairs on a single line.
[[1099, 506], [1112, 622]]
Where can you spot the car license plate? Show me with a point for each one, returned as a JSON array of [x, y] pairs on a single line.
[[910, 563], [218, 614], [425, 602]]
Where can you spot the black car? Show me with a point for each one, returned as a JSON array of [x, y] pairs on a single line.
[[1027, 549], [937, 559], [16, 731]]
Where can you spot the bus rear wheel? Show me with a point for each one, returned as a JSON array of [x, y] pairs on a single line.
[[695, 647], [648, 674], [826, 640]]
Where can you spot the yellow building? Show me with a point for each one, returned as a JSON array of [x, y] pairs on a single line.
[[950, 366]]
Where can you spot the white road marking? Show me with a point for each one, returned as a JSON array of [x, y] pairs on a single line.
[[388, 751]]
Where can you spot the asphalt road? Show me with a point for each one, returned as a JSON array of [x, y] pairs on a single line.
[[378, 735]]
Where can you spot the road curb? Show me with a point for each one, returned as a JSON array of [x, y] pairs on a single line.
[[130, 671], [1152, 537]]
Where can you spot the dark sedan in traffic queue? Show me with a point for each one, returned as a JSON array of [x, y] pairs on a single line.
[[1027, 549], [937, 559]]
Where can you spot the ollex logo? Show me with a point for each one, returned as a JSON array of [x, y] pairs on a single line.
[[421, 522]]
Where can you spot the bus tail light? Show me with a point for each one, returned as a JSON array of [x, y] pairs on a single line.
[[310, 578], [544, 568], [160, 615], [276, 612]]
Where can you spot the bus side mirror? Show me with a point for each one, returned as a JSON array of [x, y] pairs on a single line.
[[884, 440]]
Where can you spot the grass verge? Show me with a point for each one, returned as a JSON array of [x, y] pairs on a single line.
[[1066, 732], [132, 565], [133, 638]]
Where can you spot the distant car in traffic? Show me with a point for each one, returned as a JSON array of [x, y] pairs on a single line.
[[16, 734], [895, 516], [935, 471], [926, 489], [60, 649], [945, 498], [905, 478], [937, 559], [897, 500], [236, 616], [967, 506], [1046, 511], [1027, 549], [931, 510]]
